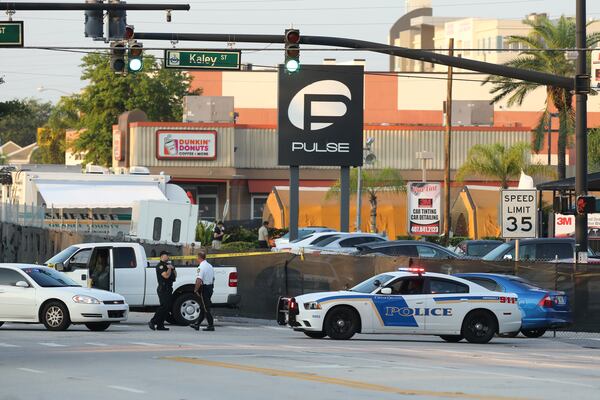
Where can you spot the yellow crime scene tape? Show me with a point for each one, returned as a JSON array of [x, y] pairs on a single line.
[[221, 255]]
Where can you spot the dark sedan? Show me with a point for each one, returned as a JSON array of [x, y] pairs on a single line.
[[407, 248]]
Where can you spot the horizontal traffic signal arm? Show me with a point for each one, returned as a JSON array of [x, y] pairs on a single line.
[[13, 6], [413, 54]]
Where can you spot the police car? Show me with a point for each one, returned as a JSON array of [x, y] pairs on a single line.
[[409, 300]]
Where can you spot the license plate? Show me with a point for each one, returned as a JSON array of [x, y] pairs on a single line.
[[561, 300]]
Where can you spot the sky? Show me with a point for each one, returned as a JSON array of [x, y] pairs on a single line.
[[27, 70]]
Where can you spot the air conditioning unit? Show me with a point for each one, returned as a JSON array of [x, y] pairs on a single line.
[[471, 113], [96, 169], [137, 170], [208, 109]]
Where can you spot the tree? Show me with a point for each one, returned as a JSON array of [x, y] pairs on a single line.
[[501, 163], [51, 137], [158, 92], [373, 182], [594, 150], [21, 118], [544, 35]]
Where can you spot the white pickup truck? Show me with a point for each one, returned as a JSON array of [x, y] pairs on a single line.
[[123, 268]]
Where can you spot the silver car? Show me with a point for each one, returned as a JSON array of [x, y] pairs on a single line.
[[343, 243]]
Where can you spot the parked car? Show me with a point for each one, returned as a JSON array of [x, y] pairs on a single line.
[[302, 233], [541, 249], [406, 248], [541, 309], [476, 248], [128, 267], [311, 240], [36, 294], [344, 243]]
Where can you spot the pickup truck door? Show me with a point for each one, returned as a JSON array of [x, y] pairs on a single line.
[[129, 278], [77, 267]]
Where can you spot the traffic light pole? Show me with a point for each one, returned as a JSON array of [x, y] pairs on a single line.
[[581, 184], [12, 6]]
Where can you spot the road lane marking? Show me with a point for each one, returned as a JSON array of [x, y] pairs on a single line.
[[241, 328], [49, 344], [276, 328], [336, 381], [127, 389], [8, 345], [34, 371]]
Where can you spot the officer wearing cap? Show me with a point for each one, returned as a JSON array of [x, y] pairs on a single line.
[[165, 275], [205, 279]]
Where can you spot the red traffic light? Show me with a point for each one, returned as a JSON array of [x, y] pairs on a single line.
[[292, 36], [586, 204]]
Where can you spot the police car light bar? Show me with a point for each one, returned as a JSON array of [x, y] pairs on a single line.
[[416, 270]]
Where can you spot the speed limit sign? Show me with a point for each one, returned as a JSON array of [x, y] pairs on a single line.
[[519, 213]]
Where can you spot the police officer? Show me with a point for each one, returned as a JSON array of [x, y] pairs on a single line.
[[165, 275], [205, 279]]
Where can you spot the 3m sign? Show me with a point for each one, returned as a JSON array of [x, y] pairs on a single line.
[[186, 145]]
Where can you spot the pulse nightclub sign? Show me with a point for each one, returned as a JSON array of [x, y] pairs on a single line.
[[424, 211], [321, 116]]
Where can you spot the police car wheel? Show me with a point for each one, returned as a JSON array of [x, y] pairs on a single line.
[[452, 338], [55, 316], [97, 326], [533, 333], [341, 323], [479, 327], [315, 335], [186, 309], [509, 334]]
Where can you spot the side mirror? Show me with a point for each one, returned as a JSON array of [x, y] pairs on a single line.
[[22, 284], [60, 267], [507, 257], [386, 290]]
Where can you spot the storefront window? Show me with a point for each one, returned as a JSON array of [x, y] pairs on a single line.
[[208, 206], [258, 206]]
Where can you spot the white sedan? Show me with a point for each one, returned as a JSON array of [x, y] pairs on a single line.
[[34, 294], [405, 301]]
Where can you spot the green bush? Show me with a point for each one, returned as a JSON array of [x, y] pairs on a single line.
[[239, 246], [240, 234], [204, 233]]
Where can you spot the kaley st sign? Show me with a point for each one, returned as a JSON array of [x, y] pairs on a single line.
[[424, 211], [186, 145], [320, 119]]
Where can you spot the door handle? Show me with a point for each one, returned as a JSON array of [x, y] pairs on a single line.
[[420, 302]]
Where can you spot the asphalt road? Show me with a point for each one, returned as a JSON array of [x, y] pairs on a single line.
[[250, 359]]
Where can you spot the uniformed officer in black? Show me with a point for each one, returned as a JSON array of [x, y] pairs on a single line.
[[165, 275]]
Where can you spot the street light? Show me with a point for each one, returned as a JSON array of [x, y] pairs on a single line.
[[368, 159]]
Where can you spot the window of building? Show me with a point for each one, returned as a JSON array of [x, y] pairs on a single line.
[[499, 42], [124, 257], [176, 231], [208, 206], [257, 206], [157, 229]]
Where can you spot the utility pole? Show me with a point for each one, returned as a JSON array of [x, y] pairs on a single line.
[[447, 148], [582, 87]]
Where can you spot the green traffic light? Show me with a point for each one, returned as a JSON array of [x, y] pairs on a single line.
[[292, 65], [135, 64]]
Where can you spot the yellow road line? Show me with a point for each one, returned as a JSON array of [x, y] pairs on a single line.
[[336, 381]]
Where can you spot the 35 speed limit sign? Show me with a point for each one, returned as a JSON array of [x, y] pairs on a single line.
[[519, 213]]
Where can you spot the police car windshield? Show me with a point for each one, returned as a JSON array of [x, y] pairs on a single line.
[[369, 285], [497, 252], [46, 277]]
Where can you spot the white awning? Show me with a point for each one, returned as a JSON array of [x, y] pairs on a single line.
[[97, 194]]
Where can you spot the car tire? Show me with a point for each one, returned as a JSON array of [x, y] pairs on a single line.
[[341, 323], [55, 316], [509, 334], [479, 327], [452, 338], [315, 335], [533, 333], [186, 309], [97, 326]]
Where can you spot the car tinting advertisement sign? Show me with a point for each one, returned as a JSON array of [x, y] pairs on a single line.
[[186, 145], [320, 115], [424, 208]]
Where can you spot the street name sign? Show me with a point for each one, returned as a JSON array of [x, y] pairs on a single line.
[[519, 213], [11, 34], [203, 59]]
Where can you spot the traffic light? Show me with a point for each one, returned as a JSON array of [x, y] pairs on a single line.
[[586, 204], [135, 57], [117, 22], [94, 22], [292, 50], [117, 56]]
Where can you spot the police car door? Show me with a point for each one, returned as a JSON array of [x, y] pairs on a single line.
[[447, 303], [403, 310]]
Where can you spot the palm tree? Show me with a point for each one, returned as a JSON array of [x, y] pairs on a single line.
[[3, 159], [373, 182], [498, 162], [544, 35]]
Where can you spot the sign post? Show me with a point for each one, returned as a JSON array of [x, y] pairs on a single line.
[[424, 208], [11, 34], [203, 59], [519, 214]]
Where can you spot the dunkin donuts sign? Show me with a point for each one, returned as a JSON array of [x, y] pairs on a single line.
[[186, 145]]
